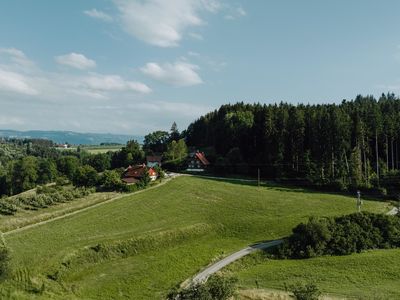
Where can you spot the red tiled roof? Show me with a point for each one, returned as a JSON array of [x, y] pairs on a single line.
[[152, 172], [135, 171], [202, 158], [138, 172]]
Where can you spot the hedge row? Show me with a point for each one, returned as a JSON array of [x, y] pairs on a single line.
[[342, 235], [44, 198]]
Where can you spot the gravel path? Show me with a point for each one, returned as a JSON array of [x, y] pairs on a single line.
[[203, 276]]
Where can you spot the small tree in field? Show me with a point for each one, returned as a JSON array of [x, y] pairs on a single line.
[[308, 291], [111, 180], [216, 288]]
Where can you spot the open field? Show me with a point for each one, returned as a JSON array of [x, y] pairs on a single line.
[[27, 217], [156, 239], [94, 149], [102, 149], [369, 275]]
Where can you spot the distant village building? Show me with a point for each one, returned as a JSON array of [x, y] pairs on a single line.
[[133, 174], [197, 162], [153, 161], [63, 146]]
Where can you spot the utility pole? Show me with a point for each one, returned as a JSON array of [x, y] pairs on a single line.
[[377, 155], [359, 201]]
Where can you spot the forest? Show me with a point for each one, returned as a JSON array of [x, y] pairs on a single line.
[[26, 163], [353, 144]]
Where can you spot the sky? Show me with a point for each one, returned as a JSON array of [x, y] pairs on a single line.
[[136, 66]]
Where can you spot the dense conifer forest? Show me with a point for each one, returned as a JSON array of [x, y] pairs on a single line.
[[351, 144]]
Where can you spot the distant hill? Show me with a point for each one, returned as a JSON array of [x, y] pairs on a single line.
[[70, 137]]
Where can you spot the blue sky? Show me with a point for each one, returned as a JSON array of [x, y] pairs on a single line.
[[134, 66]]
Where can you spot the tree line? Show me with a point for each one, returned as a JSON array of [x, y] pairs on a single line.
[[354, 143]]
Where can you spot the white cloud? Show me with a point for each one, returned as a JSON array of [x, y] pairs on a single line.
[[241, 11], [98, 82], [178, 74], [17, 77], [162, 23], [14, 82], [97, 14], [17, 57], [235, 13], [76, 60]]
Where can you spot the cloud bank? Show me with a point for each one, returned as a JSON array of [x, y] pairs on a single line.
[[177, 74]]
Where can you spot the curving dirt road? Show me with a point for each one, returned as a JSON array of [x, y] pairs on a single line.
[[203, 275]]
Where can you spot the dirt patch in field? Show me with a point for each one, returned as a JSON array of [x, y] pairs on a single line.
[[261, 294]]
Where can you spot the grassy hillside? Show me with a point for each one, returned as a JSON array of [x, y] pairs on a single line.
[[369, 275], [155, 239]]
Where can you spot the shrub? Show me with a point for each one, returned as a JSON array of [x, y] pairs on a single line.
[[111, 181], [45, 190], [7, 207], [308, 291], [216, 288], [221, 287], [342, 235], [62, 180], [308, 240]]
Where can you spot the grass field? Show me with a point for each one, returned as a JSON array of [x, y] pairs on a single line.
[[102, 149], [369, 275], [179, 228], [27, 217], [95, 149]]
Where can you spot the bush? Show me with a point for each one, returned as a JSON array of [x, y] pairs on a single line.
[[46, 197], [111, 181], [308, 240], [7, 207], [216, 288], [342, 235], [307, 291]]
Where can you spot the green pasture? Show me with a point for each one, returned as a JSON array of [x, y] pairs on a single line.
[[169, 233]]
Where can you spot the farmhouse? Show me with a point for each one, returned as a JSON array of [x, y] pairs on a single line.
[[197, 162], [153, 161], [133, 174]]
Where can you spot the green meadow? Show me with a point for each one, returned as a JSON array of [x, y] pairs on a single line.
[[141, 245], [369, 275]]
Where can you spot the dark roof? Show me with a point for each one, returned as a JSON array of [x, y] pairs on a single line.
[[154, 158], [135, 171], [129, 180]]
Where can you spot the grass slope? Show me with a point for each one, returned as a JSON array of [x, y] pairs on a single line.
[[234, 214], [369, 275]]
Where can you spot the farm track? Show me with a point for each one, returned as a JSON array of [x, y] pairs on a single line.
[[208, 271], [87, 208], [203, 275]]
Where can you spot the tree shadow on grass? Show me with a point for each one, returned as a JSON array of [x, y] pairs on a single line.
[[292, 188]]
